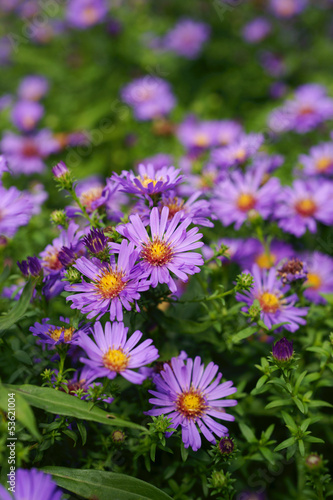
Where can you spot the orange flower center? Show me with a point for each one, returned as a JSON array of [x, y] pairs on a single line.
[[90, 15], [269, 302], [110, 284], [314, 280], [29, 149], [157, 253], [88, 197], [306, 207], [191, 404], [306, 110], [174, 205], [265, 261], [240, 155], [201, 140], [55, 333], [116, 360], [324, 163], [246, 202], [51, 260]]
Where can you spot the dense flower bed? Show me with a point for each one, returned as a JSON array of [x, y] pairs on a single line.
[[166, 205]]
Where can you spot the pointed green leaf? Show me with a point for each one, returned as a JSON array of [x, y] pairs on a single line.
[[19, 309], [285, 444], [60, 403], [248, 433], [104, 485]]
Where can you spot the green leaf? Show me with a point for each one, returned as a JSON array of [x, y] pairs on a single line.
[[317, 403], [60, 403], [261, 381], [276, 403], [289, 420], [299, 404], [301, 447], [328, 297], [243, 334], [19, 309], [183, 452], [23, 412], [313, 439], [83, 432], [285, 444], [248, 433], [268, 455], [300, 380], [104, 485], [5, 273]]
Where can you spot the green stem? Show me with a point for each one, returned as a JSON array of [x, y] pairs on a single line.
[[82, 207]]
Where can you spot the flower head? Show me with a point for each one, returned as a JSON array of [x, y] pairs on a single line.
[[95, 241], [30, 485], [168, 249], [31, 267], [150, 97], [187, 38], [238, 152], [26, 115], [256, 30], [292, 270], [82, 14], [319, 277], [287, 8], [276, 306], [16, 209], [319, 161], [242, 197], [57, 334], [112, 353], [303, 204], [191, 395], [148, 181], [283, 350], [33, 88], [111, 286]]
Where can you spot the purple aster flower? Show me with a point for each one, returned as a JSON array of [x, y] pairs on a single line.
[[168, 249], [319, 277], [190, 395], [287, 8], [209, 177], [112, 286], [16, 209], [112, 352], [319, 161], [268, 163], [197, 135], [33, 88], [256, 30], [237, 152], [265, 258], [310, 107], [283, 350], [242, 196], [292, 270], [276, 306], [96, 241], [83, 381], [69, 238], [26, 115], [199, 211], [60, 170], [30, 485], [57, 334], [149, 181], [273, 64], [92, 193], [26, 154], [82, 14], [149, 97], [303, 204], [187, 38], [31, 266]]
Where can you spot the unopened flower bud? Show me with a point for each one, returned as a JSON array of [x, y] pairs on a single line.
[[226, 446], [283, 350], [118, 436]]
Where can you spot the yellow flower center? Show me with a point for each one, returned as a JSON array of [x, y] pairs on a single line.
[[306, 207], [51, 260], [314, 280], [174, 205], [157, 253], [55, 333], [191, 404], [116, 360], [88, 197], [145, 181], [246, 202], [110, 284], [90, 15], [265, 261], [201, 140], [324, 163], [269, 302], [240, 155]]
